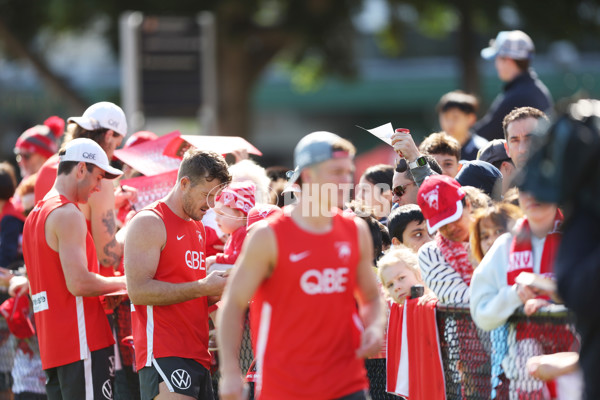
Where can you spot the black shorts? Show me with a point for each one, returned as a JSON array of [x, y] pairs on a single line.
[[181, 375], [91, 378], [360, 395]]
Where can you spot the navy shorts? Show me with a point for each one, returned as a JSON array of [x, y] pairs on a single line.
[[81, 379], [181, 375]]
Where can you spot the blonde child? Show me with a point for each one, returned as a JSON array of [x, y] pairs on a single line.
[[399, 271], [412, 331]]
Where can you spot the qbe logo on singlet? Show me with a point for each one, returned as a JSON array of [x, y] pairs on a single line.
[[194, 259], [40, 302], [330, 280]]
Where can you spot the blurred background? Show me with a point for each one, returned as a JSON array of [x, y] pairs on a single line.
[[273, 70]]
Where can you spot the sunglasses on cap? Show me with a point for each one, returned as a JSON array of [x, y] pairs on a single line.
[[401, 189]]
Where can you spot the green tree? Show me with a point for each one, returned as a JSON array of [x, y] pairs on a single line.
[[250, 33], [314, 37]]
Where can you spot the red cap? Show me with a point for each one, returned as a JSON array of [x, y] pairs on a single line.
[[16, 312], [260, 212], [440, 198], [140, 137], [239, 195]]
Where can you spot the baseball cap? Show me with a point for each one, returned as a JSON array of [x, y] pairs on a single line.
[[140, 137], [512, 44], [260, 212], [493, 152], [482, 175], [440, 198], [239, 195], [88, 151], [102, 115], [312, 149]]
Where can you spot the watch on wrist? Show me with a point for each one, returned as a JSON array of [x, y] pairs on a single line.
[[419, 162]]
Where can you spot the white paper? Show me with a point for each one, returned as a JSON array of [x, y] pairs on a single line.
[[383, 132]]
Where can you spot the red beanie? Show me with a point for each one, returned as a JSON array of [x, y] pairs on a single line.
[[239, 195], [41, 139]]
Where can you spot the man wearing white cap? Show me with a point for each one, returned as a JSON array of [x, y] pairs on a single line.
[[74, 335], [512, 52], [104, 123], [316, 310]]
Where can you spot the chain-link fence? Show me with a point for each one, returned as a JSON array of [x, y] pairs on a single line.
[[479, 364], [484, 365]]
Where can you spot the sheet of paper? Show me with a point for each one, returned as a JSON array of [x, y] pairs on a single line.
[[383, 132]]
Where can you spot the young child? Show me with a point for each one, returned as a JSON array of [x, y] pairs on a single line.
[[457, 113], [446, 151], [489, 223], [399, 271], [412, 343], [232, 209]]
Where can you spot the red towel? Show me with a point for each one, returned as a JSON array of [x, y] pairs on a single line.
[[423, 372]]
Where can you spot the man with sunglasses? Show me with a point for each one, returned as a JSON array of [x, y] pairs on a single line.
[[411, 169]]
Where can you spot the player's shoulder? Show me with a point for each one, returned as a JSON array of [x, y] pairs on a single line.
[[146, 220], [67, 212], [261, 231]]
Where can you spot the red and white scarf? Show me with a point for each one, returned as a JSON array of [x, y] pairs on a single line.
[[414, 368], [521, 255], [457, 255]]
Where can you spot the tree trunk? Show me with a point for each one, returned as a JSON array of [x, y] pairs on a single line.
[[73, 101], [466, 45], [234, 91]]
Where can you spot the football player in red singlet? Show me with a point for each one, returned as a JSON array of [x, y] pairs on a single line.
[[165, 267], [316, 310], [76, 343]]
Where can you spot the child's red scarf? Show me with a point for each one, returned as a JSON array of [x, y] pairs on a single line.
[[521, 256]]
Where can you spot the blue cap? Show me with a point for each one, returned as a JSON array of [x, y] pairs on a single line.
[[482, 175], [312, 149], [512, 44]]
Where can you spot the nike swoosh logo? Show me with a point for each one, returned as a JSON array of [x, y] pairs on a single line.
[[295, 257], [180, 237]]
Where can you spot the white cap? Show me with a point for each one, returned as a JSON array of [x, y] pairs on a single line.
[[512, 44], [102, 115], [88, 151]]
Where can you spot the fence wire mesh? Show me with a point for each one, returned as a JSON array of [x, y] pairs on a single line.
[[483, 365], [477, 364]]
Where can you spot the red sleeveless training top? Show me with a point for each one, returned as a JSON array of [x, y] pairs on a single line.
[[176, 330], [68, 327], [45, 178], [305, 325]]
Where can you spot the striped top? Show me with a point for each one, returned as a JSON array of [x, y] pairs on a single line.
[[440, 277]]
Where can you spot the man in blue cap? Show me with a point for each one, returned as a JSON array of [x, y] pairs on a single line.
[[309, 267], [512, 52]]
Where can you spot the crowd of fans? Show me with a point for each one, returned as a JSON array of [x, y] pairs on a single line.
[[448, 216]]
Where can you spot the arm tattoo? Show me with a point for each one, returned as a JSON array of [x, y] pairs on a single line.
[[111, 254]]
